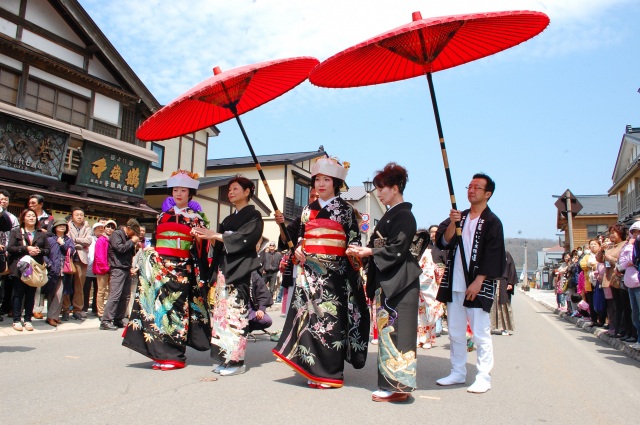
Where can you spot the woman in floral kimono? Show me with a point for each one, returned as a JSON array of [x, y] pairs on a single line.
[[429, 309], [234, 258], [393, 281], [327, 322], [170, 309]]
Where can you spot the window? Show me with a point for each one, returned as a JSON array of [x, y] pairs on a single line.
[[9, 82], [55, 103], [593, 230], [159, 164], [301, 194]]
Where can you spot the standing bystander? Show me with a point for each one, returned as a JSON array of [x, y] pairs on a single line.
[[80, 234], [270, 259], [122, 247], [6, 287]]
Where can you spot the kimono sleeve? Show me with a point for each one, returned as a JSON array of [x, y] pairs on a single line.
[[245, 238], [353, 230], [396, 249]]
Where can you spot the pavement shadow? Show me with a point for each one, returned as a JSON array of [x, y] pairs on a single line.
[[15, 349]]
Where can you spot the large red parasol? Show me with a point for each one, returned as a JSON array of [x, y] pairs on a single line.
[[228, 95], [425, 46]]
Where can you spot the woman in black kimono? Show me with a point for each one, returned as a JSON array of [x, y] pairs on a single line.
[[327, 322], [393, 279], [234, 258], [170, 310]]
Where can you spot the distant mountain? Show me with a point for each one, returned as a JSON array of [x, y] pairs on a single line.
[[516, 247]]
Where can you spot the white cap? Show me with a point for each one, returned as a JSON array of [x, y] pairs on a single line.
[[330, 167], [183, 178], [635, 226], [97, 224]]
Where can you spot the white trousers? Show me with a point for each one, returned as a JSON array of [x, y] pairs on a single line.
[[480, 323]]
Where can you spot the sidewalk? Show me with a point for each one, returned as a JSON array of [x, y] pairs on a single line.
[[40, 326], [547, 298]]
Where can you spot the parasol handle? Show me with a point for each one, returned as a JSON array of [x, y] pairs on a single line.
[[447, 172], [283, 228]]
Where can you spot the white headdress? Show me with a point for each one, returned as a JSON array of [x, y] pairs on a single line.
[[330, 167], [183, 178]]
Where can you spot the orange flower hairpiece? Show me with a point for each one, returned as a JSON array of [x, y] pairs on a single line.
[[194, 176]]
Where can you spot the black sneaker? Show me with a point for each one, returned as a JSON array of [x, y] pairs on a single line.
[[108, 326], [65, 317], [118, 323]]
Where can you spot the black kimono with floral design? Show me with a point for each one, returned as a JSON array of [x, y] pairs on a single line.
[[170, 310], [327, 323]]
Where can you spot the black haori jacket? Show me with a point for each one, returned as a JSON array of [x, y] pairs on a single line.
[[237, 256], [392, 266], [487, 257]]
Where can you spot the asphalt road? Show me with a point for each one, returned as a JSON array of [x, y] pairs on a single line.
[[549, 372]]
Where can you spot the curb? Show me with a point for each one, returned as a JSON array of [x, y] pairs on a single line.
[[582, 324]]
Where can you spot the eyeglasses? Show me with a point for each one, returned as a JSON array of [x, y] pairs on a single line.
[[110, 226], [476, 188]]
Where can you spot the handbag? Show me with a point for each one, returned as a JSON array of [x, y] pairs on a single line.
[[68, 266], [32, 273]]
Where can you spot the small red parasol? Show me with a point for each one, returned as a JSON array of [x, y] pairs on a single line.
[[425, 46], [228, 95]]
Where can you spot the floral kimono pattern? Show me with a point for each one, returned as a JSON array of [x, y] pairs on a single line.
[[429, 309], [327, 323], [170, 309]]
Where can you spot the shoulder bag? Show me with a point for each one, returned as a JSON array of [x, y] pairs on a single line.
[[32, 273], [68, 266]]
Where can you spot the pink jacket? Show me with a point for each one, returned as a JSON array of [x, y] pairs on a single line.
[[625, 263], [101, 256]]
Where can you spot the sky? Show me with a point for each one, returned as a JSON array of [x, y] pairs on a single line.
[[542, 117]]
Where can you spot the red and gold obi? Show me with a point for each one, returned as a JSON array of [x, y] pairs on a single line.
[[324, 236], [173, 239]]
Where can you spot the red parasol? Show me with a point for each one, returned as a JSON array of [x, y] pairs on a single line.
[[425, 46], [227, 95]]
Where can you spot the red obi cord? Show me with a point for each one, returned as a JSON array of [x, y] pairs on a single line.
[[173, 239], [324, 236]]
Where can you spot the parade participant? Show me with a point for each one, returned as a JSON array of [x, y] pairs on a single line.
[[430, 310], [469, 297], [259, 301], [327, 322], [234, 258], [59, 245], [288, 271], [25, 240], [501, 312], [393, 281], [170, 310]]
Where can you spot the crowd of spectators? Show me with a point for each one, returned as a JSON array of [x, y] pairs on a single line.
[[71, 289], [599, 282]]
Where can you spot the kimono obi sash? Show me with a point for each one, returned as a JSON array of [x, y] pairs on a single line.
[[173, 239], [324, 236]]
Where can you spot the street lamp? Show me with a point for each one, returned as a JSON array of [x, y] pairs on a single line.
[[368, 188]]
